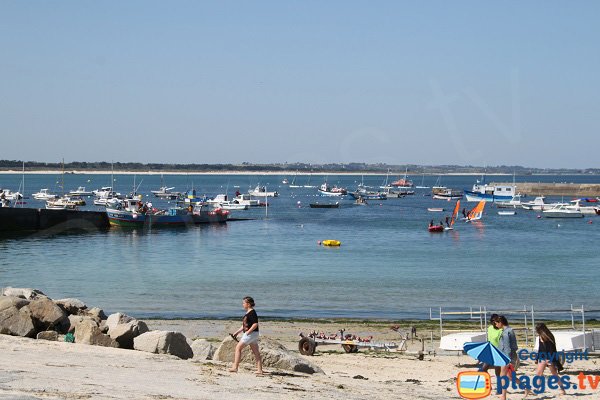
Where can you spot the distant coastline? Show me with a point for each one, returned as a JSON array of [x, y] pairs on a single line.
[[270, 173]]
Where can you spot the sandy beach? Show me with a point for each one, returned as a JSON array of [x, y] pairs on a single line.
[[37, 369]]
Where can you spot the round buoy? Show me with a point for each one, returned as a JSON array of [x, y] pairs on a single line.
[[539, 216], [319, 242], [590, 222]]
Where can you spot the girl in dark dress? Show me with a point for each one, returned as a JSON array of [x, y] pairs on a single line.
[[546, 352], [250, 336]]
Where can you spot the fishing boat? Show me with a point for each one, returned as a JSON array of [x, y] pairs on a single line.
[[80, 192], [134, 213], [483, 191], [325, 205], [561, 210], [476, 213], [44, 194], [368, 195], [327, 190], [450, 226], [62, 203], [447, 194], [261, 191]]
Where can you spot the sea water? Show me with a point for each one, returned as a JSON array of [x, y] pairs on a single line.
[[389, 266]]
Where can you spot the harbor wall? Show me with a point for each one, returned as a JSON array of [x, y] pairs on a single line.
[[31, 219], [556, 189]]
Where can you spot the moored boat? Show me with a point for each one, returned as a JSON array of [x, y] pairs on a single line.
[[261, 191], [44, 194], [81, 192], [447, 194], [562, 211], [327, 190], [324, 205]]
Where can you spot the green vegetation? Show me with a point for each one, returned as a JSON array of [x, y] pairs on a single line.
[[398, 169]]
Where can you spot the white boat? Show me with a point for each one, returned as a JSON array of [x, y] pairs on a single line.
[[308, 185], [80, 192], [447, 194], [44, 194], [507, 212], [432, 209], [285, 181], [515, 202], [8, 195], [61, 204], [165, 193], [261, 191], [561, 210], [326, 190], [585, 210], [222, 201], [246, 200], [102, 191], [570, 340], [456, 341], [538, 204], [293, 183], [422, 185], [485, 192]]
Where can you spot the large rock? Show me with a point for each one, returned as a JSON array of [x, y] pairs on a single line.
[[116, 319], [47, 315], [273, 354], [15, 317], [96, 313], [164, 342], [203, 349], [125, 333], [71, 306], [87, 332], [24, 293]]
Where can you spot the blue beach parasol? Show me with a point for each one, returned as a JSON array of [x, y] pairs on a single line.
[[486, 353]]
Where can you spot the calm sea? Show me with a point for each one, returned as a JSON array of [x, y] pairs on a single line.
[[388, 266]]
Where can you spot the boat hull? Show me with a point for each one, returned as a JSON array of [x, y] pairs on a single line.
[[474, 196]]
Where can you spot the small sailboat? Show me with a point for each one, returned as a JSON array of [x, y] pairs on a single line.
[[422, 185], [454, 215], [476, 213], [293, 182], [308, 185]]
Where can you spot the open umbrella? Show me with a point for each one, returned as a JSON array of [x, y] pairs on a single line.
[[486, 353]]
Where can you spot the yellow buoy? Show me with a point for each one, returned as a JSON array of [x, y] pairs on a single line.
[[331, 242]]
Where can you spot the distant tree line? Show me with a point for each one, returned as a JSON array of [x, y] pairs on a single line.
[[301, 167]]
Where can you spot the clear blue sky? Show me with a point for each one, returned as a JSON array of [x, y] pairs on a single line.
[[433, 82]]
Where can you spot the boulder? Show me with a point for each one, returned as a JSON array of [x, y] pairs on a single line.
[[24, 293], [116, 319], [47, 315], [15, 317], [163, 342], [125, 333], [71, 306], [273, 354], [203, 349], [96, 313], [48, 335], [87, 332]]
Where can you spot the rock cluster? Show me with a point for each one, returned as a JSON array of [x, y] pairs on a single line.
[[30, 313]]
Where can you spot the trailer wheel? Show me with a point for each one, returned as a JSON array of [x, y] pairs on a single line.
[[307, 346], [350, 348]]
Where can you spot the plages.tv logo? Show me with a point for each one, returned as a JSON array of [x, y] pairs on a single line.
[[474, 384]]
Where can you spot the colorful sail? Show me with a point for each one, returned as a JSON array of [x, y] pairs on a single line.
[[476, 212], [455, 213]]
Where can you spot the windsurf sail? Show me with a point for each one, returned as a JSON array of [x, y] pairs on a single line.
[[455, 213], [476, 213]]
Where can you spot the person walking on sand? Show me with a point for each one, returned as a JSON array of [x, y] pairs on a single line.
[[250, 336], [547, 356], [493, 336], [508, 346]]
